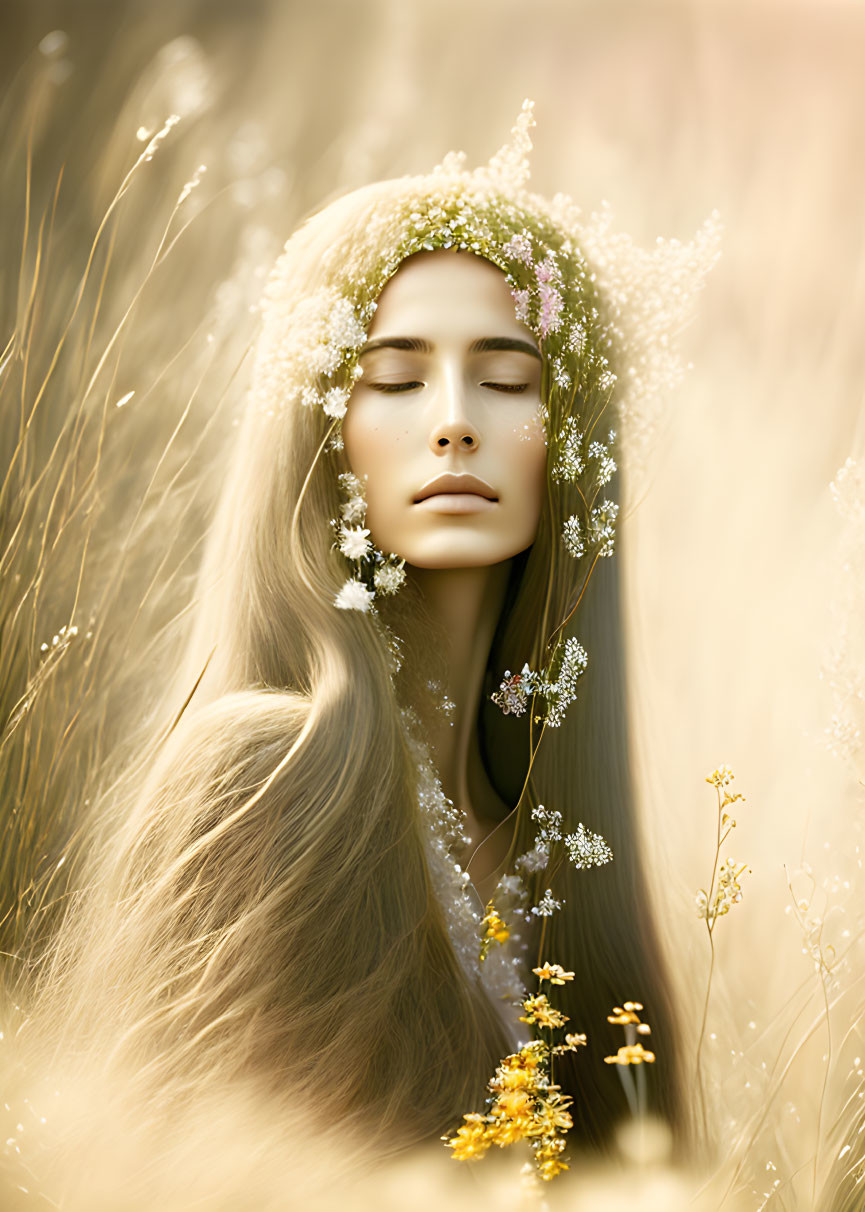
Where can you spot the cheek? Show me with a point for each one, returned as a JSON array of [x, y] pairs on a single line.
[[526, 459], [365, 449]]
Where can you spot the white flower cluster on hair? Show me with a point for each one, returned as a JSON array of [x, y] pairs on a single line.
[[559, 692], [573, 538], [549, 821], [602, 527], [586, 849], [604, 456], [354, 595], [534, 860], [388, 578], [514, 692], [569, 464], [562, 692], [547, 905]]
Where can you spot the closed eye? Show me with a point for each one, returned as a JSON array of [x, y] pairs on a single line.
[[505, 386], [409, 385]]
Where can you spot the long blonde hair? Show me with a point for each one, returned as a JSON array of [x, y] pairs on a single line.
[[260, 902]]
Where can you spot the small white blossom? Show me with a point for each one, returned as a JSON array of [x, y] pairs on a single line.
[[354, 595], [602, 527], [534, 860], [336, 402], [510, 886], [562, 692], [519, 248], [606, 462], [515, 690], [353, 510], [586, 849], [354, 542], [388, 578], [547, 905], [550, 822], [569, 464], [572, 536]]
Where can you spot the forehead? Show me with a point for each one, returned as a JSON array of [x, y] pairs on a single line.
[[447, 293]]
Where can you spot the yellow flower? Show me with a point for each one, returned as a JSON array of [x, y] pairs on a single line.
[[554, 973], [572, 1042], [472, 1140], [630, 1054], [495, 930], [548, 1159], [625, 1014], [504, 1131], [538, 1010], [550, 1167], [553, 1115], [513, 1103]]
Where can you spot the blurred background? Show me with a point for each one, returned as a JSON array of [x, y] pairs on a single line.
[[745, 569]]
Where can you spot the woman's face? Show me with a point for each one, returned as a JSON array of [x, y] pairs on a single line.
[[444, 421]]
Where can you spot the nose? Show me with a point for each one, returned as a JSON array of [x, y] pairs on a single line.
[[452, 430]]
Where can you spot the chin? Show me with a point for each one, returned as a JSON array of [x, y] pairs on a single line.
[[460, 555]]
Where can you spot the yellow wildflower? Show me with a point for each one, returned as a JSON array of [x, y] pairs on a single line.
[[548, 1159], [513, 1103], [538, 1010], [472, 1139], [624, 1014], [550, 1167], [553, 1115], [504, 1131], [495, 930], [554, 973], [630, 1054], [572, 1042]]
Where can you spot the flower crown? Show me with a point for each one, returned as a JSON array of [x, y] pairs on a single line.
[[605, 314]]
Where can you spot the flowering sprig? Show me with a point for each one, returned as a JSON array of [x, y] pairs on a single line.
[[723, 892], [556, 685], [523, 1102], [373, 571], [586, 849], [631, 1053], [495, 930], [724, 889]]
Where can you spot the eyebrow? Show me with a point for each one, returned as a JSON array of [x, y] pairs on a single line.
[[483, 345]]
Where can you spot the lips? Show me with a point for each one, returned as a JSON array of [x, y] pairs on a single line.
[[455, 484]]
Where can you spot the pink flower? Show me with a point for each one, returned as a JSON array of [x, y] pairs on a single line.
[[551, 308], [521, 299]]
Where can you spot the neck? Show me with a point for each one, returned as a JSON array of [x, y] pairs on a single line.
[[465, 604]]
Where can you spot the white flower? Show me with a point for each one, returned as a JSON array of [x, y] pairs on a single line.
[[602, 527], [513, 693], [547, 905], [519, 248], [570, 463], [534, 860], [354, 595], [336, 402], [586, 849], [510, 887], [354, 542], [607, 464], [389, 577], [353, 510], [350, 484], [572, 536], [550, 821], [562, 692]]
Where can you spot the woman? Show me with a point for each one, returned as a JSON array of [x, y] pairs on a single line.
[[419, 503]]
